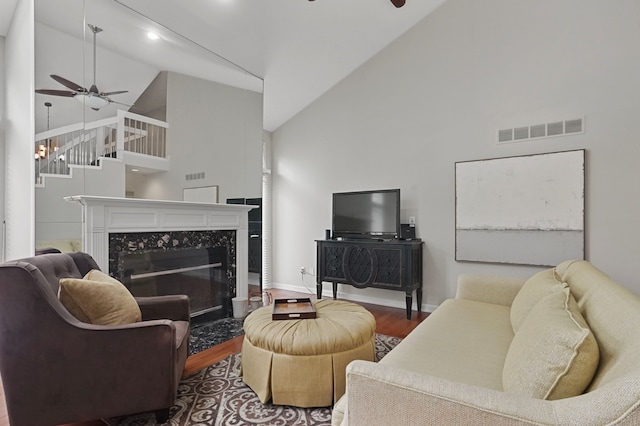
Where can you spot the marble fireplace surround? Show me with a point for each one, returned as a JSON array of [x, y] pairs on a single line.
[[103, 216]]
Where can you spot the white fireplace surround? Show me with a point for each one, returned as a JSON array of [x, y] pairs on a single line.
[[104, 215]]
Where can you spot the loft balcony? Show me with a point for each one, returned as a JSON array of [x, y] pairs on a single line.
[[136, 140]]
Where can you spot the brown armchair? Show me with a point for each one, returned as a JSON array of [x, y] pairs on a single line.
[[56, 369]]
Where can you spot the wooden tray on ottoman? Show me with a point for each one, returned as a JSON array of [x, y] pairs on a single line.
[[285, 309]]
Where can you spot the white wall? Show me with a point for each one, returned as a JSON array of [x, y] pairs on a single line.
[[19, 131], [3, 90], [57, 219], [438, 95], [213, 128]]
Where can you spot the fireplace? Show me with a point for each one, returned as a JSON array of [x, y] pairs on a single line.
[[200, 264], [198, 273], [113, 226]]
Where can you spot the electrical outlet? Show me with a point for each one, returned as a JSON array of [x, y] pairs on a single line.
[[412, 221], [310, 271]]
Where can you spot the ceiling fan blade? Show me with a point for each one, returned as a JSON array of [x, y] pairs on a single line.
[[70, 84], [114, 93], [398, 3], [56, 92], [119, 103]]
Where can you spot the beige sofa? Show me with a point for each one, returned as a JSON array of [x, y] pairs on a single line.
[[65, 246], [561, 348]]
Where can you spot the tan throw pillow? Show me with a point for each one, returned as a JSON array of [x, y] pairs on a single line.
[[554, 354], [99, 299], [533, 290]]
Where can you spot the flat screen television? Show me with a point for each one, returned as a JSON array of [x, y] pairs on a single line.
[[366, 214]]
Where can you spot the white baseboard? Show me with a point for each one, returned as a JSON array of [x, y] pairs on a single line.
[[328, 294], [299, 289]]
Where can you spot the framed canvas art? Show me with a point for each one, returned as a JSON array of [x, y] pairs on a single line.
[[522, 210], [203, 194]]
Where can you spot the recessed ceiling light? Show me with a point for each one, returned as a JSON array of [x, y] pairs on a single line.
[[135, 170], [152, 35]]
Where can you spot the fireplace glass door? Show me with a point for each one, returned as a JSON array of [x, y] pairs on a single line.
[[199, 273]]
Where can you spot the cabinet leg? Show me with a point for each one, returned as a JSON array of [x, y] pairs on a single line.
[[335, 290], [409, 303], [319, 290], [419, 298]]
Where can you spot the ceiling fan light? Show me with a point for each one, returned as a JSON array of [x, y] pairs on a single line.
[[92, 101]]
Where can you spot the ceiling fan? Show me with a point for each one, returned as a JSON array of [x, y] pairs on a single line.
[[396, 3], [92, 97]]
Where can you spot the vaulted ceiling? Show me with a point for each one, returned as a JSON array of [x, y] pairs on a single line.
[[299, 48]]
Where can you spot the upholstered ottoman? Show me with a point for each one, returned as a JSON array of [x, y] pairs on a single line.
[[302, 362]]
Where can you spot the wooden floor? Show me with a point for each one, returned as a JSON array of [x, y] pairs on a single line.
[[389, 321]]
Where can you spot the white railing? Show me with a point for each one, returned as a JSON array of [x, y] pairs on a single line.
[[85, 143]]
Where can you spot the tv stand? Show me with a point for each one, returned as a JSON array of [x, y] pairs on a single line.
[[391, 265]]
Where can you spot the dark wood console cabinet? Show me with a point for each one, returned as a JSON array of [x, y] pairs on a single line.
[[392, 265]]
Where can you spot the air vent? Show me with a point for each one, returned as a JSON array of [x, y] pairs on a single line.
[[194, 176], [538, 131], [505, 135], [555, 129], [520, 133], [573, 126]]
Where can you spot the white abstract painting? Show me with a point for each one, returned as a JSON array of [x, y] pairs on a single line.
[[523, 210], [203, 194]]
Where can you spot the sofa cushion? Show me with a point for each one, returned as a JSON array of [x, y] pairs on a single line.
[[99, 299], [463, 340], [533, 290], [613, 314], [553, 355]]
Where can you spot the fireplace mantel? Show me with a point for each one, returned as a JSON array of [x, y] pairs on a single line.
[[105, 215]]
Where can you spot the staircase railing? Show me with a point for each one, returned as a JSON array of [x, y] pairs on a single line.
[[84, 144]]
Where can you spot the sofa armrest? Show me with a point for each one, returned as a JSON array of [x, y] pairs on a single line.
[[98, 370], [498, 290], [172, 307], [382, 394]]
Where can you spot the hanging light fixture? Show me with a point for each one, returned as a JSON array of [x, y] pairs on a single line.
[[41, 151]]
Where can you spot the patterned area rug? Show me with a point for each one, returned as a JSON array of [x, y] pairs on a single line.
[[217, 395]]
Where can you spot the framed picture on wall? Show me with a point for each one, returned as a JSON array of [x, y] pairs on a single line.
[[522, 210], [203, 194]]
